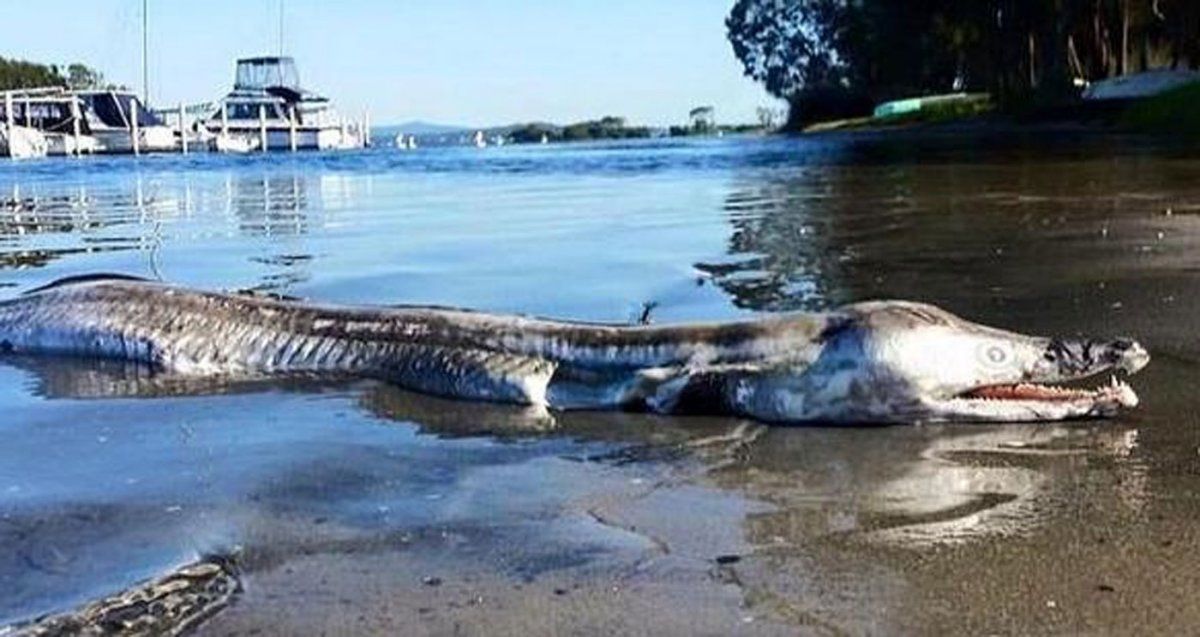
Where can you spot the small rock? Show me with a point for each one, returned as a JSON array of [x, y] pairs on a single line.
[[728, 559], [1105, 588]]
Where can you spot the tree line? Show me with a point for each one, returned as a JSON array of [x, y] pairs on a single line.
[[820, 52], [19, 74]]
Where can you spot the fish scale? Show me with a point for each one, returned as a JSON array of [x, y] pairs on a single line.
[[469, 352]]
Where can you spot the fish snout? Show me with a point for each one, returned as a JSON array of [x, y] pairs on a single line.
[[1130, 356], [1083, 357]]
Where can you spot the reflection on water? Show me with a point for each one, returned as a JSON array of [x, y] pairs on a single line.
[[916, 486], [958, 234], [99, 455], [162, 215], [59, 378], [272, 205], [780, 253]]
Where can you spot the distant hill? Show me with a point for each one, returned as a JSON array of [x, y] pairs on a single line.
[[423, 128]]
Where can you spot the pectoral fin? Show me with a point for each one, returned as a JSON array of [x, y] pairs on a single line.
[[473, 375]]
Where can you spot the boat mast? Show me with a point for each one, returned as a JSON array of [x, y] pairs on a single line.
[[145, 62], [280, 28]]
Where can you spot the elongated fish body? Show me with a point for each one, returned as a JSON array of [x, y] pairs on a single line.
[[450, 352], [889, 361]]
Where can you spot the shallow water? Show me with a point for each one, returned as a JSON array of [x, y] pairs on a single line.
[[107, 478]]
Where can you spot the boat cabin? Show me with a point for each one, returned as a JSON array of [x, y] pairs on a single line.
[[115, 109]]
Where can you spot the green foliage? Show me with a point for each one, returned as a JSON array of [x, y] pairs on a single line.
[[1171, 112], [603, 128], [1018, 50], [83, 78], [534, 133], [15, 74], [789, 45]]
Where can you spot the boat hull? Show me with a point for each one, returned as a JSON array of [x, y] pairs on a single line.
[[280, 138]]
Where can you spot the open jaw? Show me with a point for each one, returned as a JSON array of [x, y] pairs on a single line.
[[1116, 391], [1042, 402]]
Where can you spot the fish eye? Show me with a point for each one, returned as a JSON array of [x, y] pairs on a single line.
[[993, 355]]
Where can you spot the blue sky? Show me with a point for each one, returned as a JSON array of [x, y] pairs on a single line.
[[471, 62]]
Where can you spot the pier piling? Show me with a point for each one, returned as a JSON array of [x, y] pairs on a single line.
[[75, 117], [133, 128], [262, 127], [8, 121], [182, 131], [292, 128]]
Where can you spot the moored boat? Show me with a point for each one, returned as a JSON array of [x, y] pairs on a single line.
[[36, 122], [112, 118], [268, 110]]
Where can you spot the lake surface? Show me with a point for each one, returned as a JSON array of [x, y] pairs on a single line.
[[344, 496]]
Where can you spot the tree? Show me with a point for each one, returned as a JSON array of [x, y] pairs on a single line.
[[767, 117], [82, 78], [1017, 50], [789, 46], [703, 119], [16, 74]]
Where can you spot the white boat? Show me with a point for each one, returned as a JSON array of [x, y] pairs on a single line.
[[22, 142], [479, 140], [406, 142], [45, 121], [231, 143], [110, 115], [268, 110]]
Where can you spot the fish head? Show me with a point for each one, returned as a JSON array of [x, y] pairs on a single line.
[[944, 368]]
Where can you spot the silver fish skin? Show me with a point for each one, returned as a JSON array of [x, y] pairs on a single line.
[[871, 362], [446, 351]]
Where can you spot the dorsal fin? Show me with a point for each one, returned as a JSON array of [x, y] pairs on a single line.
[[85, 278]]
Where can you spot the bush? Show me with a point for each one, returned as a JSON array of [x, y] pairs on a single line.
[[1174, 111]]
